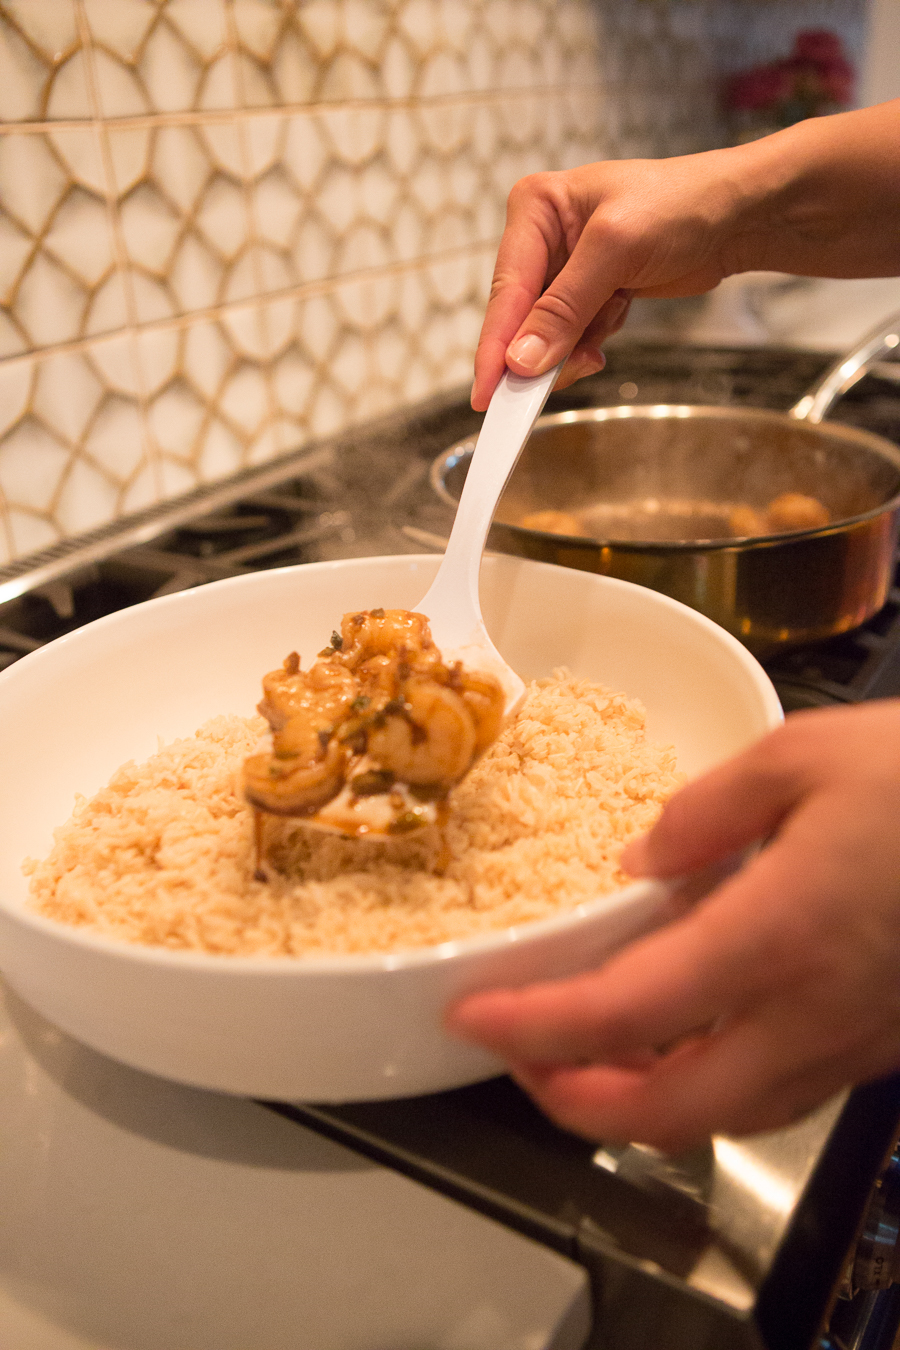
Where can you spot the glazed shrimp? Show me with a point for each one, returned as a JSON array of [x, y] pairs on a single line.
[[307, 767], [293, 785], [387, 632], [378, 716], [483, 697], [430, 741], [323, 693]]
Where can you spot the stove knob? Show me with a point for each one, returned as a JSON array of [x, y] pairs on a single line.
[[876, 1263]]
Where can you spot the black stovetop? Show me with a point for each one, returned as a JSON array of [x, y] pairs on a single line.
[[368, 493]]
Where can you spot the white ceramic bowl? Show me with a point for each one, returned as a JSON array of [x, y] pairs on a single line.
[[345, 1027]]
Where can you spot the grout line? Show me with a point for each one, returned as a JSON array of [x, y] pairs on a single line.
[[213, 115], [7, 530], [253, 238], [39, 238], [112, 195], [150, 453], [302, 291]]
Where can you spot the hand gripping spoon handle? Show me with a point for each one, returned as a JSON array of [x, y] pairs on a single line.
[[452, 604]]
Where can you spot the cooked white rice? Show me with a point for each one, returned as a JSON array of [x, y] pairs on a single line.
[[164, 855]]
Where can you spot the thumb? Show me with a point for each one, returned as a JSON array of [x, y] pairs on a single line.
[[533, 353], [578, 305], [731, 807]]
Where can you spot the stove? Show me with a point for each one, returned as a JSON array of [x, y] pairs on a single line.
[[368, 493], [775, 1243]]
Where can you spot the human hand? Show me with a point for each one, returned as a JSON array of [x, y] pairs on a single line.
[[776, 991], [595, 237], [820, 198]]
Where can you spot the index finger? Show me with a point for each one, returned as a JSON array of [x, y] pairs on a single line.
[[520, 274], [585, 268]]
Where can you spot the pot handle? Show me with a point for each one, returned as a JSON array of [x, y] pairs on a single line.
[[847, 370]]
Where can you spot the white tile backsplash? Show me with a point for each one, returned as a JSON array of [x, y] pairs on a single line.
[[228, 226]]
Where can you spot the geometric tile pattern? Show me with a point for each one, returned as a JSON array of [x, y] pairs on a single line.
[[228, 227]]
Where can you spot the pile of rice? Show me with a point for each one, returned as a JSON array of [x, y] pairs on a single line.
[[165, 856]]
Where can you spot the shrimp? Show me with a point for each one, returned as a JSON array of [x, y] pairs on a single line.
[[796, 511], [324, 693], [378, 715], [293, 784], [552, 522], [387, 632], [745, 521], [430, 741], [381, 674], [307, 765], [484, 699]]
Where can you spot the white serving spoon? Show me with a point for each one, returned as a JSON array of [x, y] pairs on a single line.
[[451, 604]]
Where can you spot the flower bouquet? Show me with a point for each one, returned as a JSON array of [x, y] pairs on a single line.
[[816, 78]]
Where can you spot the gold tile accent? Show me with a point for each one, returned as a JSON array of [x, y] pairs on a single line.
[[169, 57], [42, 73], [209, 403], [73, 452], [182, 214], [58, 278]]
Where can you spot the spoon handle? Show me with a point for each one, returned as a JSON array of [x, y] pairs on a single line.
[[513, 410]]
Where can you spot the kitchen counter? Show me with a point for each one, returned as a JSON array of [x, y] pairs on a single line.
[[768, 309], [137, 1214]]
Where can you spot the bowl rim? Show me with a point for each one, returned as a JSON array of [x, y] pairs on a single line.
[[646, 890]]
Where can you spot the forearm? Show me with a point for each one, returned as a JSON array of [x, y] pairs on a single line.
[[821, 198]]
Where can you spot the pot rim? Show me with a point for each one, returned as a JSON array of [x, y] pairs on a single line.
[[463, 449]]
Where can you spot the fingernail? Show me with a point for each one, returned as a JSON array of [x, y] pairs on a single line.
[[528, 351]]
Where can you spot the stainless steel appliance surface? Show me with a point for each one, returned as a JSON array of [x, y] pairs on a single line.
[[139, 1214], [756, 1243]]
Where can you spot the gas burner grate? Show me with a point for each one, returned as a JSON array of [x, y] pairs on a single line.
[[855, 666], [261, 531], [369, 494]]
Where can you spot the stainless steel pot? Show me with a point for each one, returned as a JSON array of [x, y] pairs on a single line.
[[653, 487]]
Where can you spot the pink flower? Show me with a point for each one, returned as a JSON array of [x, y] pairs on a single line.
[[814, 79], [759, 88], [818, 45], [820, 63], [838, 83]]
